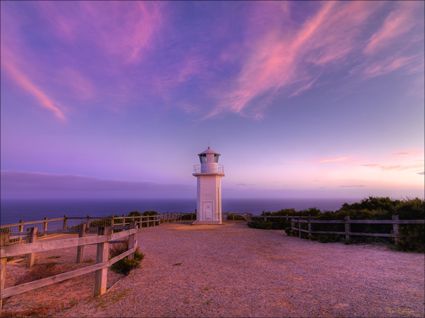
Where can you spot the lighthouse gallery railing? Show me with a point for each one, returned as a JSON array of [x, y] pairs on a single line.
[[211, 169]]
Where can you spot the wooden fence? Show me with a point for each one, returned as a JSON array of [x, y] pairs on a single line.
[[304, 224], [103, 239], [296, 224], [35, 242], [17, 232]]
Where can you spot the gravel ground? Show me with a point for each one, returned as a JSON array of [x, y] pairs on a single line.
[[234, 271], [54, 299]]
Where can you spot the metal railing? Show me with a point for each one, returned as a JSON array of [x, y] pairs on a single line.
[[208, 169]]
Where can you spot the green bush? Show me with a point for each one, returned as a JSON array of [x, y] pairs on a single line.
[[150, 213], [269, 225], [125, 265], [235, 217], [188, 217], [101, 222], [411, 237]]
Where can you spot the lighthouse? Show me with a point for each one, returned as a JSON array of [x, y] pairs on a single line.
[[208, 174]]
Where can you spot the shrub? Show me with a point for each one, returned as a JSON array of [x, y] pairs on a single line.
[[268, 225], [188, 217], [134, 213], [260, 225], [101, 222], [150, 213], [125, 265], [235, 217], [411, 237]]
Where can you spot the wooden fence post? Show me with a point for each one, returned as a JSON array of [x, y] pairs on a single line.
[[80, 249], [102, 255], [45, 224], [347, 228], [299, 228], [309, 228], [3, 262], [32, 237], [396, 229], [4, 237], [132, 241], [21, 230], [65, 220]]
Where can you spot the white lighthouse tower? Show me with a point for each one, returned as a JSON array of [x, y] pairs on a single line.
[[209, 174]]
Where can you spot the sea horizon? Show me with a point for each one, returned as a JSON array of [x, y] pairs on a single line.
[[13, 210]]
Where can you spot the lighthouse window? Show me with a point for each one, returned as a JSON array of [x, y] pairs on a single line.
[[216, 157], [203, 158]]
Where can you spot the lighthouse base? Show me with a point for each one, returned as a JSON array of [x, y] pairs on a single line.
[[207, 223]]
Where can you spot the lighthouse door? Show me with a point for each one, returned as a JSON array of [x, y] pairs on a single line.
[[207, 207]]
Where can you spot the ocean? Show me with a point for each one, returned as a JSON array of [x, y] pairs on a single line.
[[14, 210]]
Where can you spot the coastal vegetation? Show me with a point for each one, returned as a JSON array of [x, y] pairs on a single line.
[[235, 217], [127, 264], [411, 236]]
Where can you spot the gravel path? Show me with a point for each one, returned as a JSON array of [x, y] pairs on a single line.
[[232, 270]]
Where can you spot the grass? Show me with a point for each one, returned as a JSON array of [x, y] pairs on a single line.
[[39, 271]]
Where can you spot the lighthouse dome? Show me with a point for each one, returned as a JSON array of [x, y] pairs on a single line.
[[209, 151], [209, 156]]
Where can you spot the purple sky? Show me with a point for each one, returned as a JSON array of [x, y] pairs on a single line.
[[303, 99]]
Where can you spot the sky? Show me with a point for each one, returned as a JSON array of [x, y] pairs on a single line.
[[302, 99]]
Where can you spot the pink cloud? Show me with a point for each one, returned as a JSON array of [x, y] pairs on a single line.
[[398, 22], [133, 30], [335, 159], [80, 86], [119, 29], [397, 167], [60, 18], [279, 60], [385, 66], [25, 83]]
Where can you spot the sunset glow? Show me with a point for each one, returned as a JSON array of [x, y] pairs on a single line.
[[303, 99]]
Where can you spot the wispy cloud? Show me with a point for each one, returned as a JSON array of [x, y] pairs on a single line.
[[77, 83], [352, 186], [120, 29], [132, 31], [25, 83], [280, 60], [397, 167], [397, 23], [389, 65], [333, 160], [88, 50], [116, 53]]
